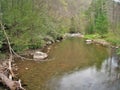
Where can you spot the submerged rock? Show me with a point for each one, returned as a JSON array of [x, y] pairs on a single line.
[[88, 41], [39, 55]]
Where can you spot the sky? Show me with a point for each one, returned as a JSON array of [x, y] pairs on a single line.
[[117, 1]]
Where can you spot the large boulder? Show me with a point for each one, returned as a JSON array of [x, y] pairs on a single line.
[[39, 55]]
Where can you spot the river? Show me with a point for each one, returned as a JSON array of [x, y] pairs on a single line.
[[73, 65]]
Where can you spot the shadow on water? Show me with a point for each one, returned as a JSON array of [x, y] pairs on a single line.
[[75, 66]]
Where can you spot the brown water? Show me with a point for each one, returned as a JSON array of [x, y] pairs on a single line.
[[74, 66]]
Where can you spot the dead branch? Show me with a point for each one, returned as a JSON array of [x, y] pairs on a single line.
[[13, 85]]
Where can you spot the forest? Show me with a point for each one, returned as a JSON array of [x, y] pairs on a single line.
[[35, 20], [27, 25]]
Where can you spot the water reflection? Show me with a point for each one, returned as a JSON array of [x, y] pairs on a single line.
[[112, 66], [76, 66], [93, 78]]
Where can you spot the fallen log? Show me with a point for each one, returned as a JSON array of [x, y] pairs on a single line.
[[7, 75], [12, 85], [6, 71]]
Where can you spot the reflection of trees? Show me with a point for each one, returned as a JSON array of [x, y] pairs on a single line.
[[112, 66], [99, 57]]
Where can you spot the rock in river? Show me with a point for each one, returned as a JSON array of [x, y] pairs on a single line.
[[39, 55], [88, 41]]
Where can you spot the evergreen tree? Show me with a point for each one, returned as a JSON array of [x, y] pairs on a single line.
[[98, 17]]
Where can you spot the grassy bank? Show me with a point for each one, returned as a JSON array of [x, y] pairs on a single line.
[[110, 37]]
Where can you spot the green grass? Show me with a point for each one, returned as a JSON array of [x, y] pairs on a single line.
[[113, 38], [118, 51], [110, 37], [92, 36]]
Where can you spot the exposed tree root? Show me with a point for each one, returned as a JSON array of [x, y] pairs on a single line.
[[6, 70]]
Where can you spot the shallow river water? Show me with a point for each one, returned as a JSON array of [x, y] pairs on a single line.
[[73, 65]]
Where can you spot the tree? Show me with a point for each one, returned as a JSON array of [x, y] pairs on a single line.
[[101, 24], [98, 17], [73, 28]]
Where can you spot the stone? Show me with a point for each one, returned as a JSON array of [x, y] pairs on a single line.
[[26, 68], [88, 41], [101, 42], [49, 39], [73, 35], [39, 55], [49, 43]]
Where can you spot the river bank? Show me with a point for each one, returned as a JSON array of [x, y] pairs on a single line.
[[106, 41], [68, 56], [47, 48]]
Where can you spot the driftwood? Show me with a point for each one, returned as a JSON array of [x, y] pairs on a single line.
[[7, 75], [12, 85], [6, 70]]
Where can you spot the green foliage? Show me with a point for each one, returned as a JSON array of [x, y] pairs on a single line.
[[89, 29], [101, 24], [118, 51], [27, 22], [113, 39], [36, 45], [1, 38], [73, 28], [92, 36], [98, 21]]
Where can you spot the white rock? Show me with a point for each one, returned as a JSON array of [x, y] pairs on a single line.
[[49, 43], [73, 35], [88, 41], [40, 55], [26, 68]]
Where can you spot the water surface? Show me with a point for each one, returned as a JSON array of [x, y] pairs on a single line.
[[74, 65]]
